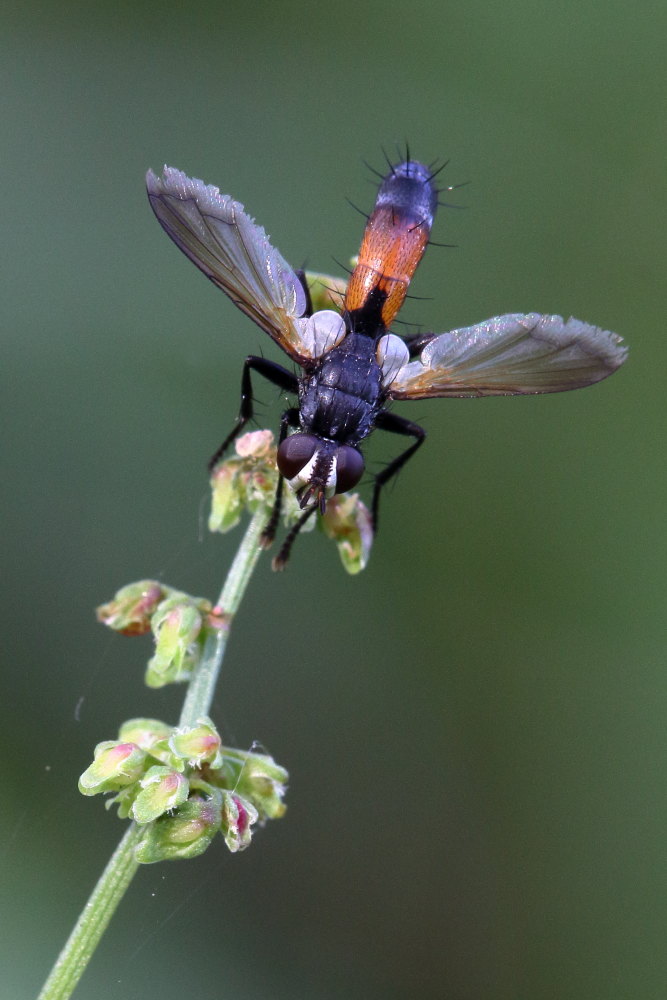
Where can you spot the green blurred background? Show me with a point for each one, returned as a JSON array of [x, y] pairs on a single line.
[[474, 726]]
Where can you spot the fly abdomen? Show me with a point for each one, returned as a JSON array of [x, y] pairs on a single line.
[[394, 241]]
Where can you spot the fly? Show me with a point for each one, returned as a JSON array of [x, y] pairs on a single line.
[[351, 365]]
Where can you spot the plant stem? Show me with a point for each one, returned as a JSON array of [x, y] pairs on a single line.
[[94, 919], [121, 868], [201, 687]]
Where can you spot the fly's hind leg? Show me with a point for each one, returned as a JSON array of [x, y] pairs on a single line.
[[387, 421], [269, 370]]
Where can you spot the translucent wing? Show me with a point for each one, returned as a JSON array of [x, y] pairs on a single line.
[[511, 355], [219, 237]]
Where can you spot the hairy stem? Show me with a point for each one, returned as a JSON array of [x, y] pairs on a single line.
[[94, 919], [119, 872], [201, 687]]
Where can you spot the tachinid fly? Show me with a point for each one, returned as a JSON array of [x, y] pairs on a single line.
[[351, 365]]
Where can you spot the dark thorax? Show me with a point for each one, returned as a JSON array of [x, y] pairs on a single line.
[[340, 397]]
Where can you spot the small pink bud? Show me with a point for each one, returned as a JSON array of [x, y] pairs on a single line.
[[238, 815], [115, 766], [254, 444], [197, 745], [161, 791], [131, 609], [144, 732]]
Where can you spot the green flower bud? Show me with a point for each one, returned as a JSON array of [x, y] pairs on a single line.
[[184, 834], [197, 745], [238, 815], [161, 791], [249, 480], [131, 609], [227, 498], [326, 292], [144, 732], [176, 625], [349, 523], [257, 778], [116, 765]]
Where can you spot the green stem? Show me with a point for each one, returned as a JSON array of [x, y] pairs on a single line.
[[201, 687], [94, 919], [120, 870]]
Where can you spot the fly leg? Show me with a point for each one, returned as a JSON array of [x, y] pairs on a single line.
[[280, 560], [387, 421], [418, 342], [269, 370], [290, 418], [301, 275]]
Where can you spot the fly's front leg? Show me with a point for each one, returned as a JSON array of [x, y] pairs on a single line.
[[387, 421], [280, 560], [290, 418], [269, 370]]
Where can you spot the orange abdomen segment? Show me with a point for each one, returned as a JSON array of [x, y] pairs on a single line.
[[392, 247], [395, 238]]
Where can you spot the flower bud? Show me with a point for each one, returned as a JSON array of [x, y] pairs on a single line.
[[238, 815], [249, 480], [131, 609], [184, 834], [116, 765], [349, 523], [227, 498], [144, 732], [264, 783], [256, 777], [256, 445], [161, 791], [197, 745], [176, 625], [326, 291]]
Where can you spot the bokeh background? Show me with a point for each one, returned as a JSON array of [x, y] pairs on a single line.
[[475, 726]]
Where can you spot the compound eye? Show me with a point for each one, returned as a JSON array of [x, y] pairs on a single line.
[[349, 468], [295, 452]]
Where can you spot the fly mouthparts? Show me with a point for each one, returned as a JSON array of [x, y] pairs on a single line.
[[314, 494]]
